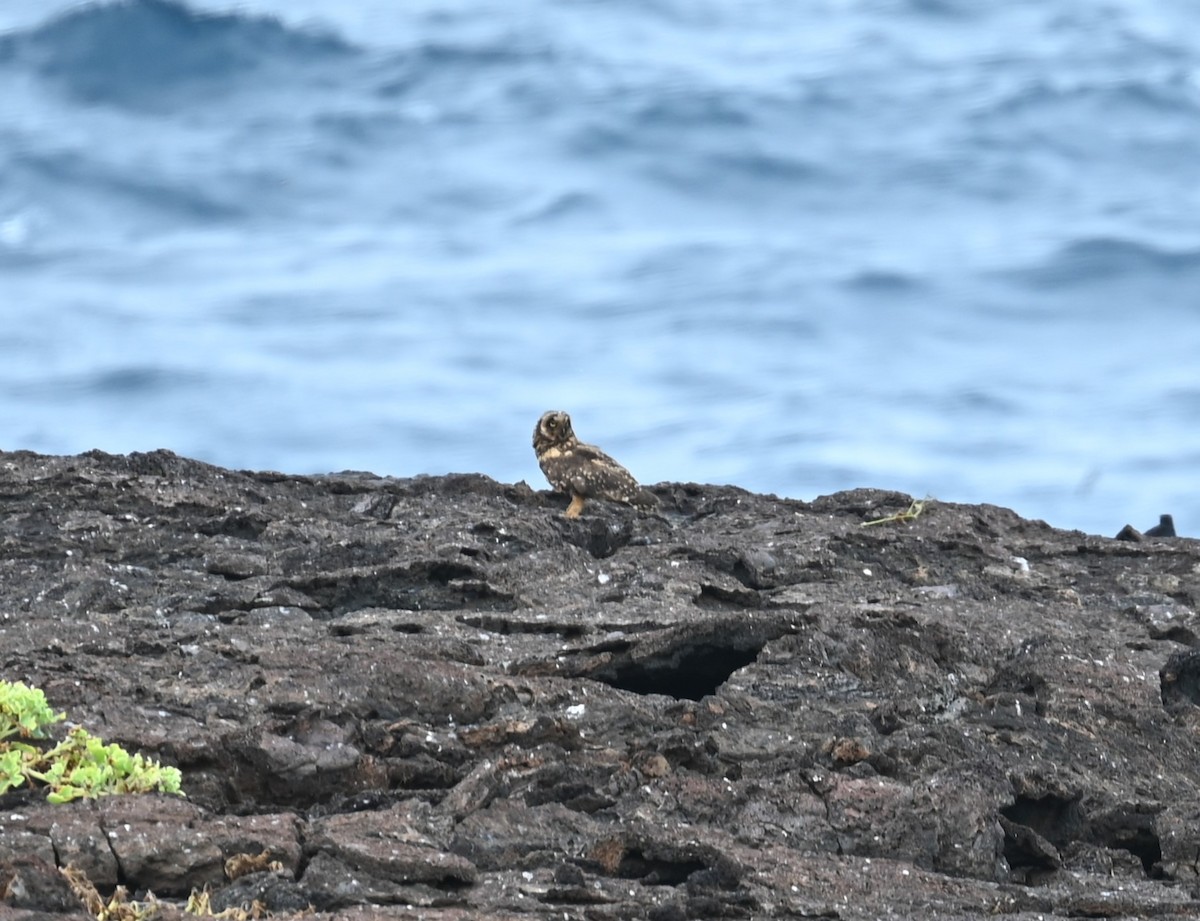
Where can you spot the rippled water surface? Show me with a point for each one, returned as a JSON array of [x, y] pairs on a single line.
[[933, 245]]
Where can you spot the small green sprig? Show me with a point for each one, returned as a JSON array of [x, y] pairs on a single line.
[[24, 711], [909, 514], [81, 765]]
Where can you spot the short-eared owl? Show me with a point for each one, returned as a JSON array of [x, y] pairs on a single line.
[[580, 470]]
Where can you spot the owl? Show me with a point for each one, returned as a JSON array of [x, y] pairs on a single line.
[[580, 470]]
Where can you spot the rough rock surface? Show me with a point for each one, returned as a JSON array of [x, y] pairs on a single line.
[[436, 698]]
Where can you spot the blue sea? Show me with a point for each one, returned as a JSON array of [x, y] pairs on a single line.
[[940, 246]]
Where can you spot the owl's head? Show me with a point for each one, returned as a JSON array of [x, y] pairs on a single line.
[[554, 428]]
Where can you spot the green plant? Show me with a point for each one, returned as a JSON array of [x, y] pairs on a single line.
[[24, 710], [81, 765], [909, 514]]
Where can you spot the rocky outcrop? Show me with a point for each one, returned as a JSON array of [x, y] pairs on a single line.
[[438, 698]]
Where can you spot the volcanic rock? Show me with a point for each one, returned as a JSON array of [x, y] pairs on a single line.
[[436, 697]]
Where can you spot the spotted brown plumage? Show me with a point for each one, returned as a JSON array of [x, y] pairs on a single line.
[[582, 471]]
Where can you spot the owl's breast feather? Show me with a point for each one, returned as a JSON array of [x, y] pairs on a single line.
[[558, 467]]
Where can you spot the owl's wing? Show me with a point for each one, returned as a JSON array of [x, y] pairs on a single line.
[[595, 474]]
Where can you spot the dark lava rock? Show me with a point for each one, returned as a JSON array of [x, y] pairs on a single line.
[[1164, 528], [31, 882], [438, 698]]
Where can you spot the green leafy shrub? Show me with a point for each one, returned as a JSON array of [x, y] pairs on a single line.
[[24, 710], [79, 766]]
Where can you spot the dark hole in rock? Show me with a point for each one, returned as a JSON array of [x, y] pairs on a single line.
[[1179, 679], [426, 585], [689, 671], [1128, 829], [1030, 855], [361, 627], [1143, 844], [1056, 818], [718, 596], [747, 576], [495, 623], [20, 798], [635, 865], [443, 573], [236, 524], [578, 795], [1181, 635], [886, 718]]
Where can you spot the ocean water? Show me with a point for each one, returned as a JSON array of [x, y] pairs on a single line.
[[939, 246]]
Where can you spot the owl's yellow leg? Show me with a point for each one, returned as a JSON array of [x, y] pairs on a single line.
[[575, 507]]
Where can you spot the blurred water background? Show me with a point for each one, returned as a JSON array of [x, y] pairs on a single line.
[[941, 246]]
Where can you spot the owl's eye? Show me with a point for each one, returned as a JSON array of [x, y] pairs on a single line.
[[552, 424]]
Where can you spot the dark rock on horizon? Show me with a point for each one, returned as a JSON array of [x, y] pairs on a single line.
[[438, 693], [1164, 528]]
